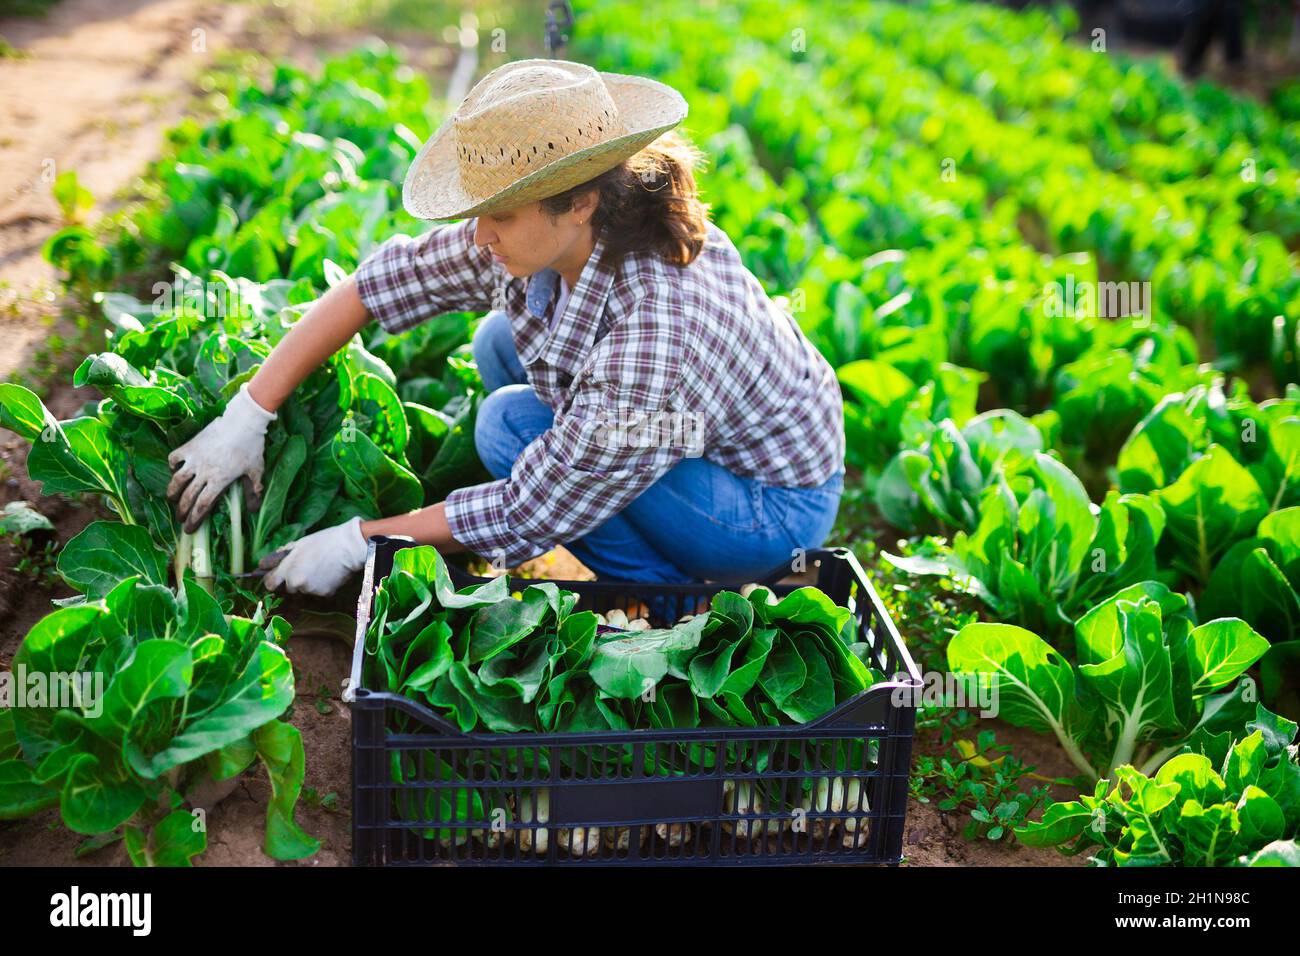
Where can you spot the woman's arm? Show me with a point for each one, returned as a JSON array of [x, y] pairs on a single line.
[[403, 283], [426, 526], [232, 445], [406, 281], [409, 280], [326, 327]]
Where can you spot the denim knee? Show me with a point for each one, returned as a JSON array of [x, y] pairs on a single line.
[[507, 422]]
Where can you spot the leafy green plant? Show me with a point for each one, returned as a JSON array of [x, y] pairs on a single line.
[[1103, 395], [37, 562], [73, 198], [981, 778], [1147, 681], [314, 798], [929, 609], [33, 538], [1230, 799], [1043, 554], [1217, 464], [885, 410], [938, 485], [20, 518], [177, 697], [1257, 580]]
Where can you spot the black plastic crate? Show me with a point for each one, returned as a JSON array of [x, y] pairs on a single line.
[[424, 793]]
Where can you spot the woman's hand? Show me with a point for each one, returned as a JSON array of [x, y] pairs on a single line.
[[318, 563], [227, 449]]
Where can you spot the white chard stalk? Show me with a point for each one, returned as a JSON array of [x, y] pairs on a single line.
[[201, 557], [534, 807], [836, 795], [181, 559], [855, 801], [742, 797], [619, 838], [235, 499]]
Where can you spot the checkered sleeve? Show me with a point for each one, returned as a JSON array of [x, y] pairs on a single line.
[[622, 431], [409, 280]]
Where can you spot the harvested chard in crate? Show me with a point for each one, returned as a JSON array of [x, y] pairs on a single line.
[[536, 722]]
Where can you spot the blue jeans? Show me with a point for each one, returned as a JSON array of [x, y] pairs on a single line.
[[698, 522]]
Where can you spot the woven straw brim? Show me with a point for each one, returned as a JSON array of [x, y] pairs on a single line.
[[433, 188]]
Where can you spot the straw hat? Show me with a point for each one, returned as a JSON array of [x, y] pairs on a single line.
[[532, 129]]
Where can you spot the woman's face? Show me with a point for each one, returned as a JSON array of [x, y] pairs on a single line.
[[525, 239]]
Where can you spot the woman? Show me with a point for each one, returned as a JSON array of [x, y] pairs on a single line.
[[650, 407]]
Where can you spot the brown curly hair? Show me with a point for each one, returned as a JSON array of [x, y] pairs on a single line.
[[647, 202]]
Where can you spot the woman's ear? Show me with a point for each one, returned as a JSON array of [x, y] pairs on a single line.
[[584, 205]]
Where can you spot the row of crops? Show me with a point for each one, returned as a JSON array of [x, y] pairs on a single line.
[[938, 188], [927, 185]]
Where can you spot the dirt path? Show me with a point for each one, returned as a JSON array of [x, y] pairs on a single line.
[[97, 83]]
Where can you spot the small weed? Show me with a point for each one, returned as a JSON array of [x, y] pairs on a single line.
[[36, 563], [980, 778], [313, 798]]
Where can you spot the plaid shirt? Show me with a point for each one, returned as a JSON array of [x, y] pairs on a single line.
[[650, 363]]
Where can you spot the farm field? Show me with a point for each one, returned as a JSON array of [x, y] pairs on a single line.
[[1061, 292]]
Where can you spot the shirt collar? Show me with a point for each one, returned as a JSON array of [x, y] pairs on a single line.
[[541, 288], [571, 336]]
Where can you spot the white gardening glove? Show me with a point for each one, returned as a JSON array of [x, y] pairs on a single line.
[[320, 562], [225, 450]]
